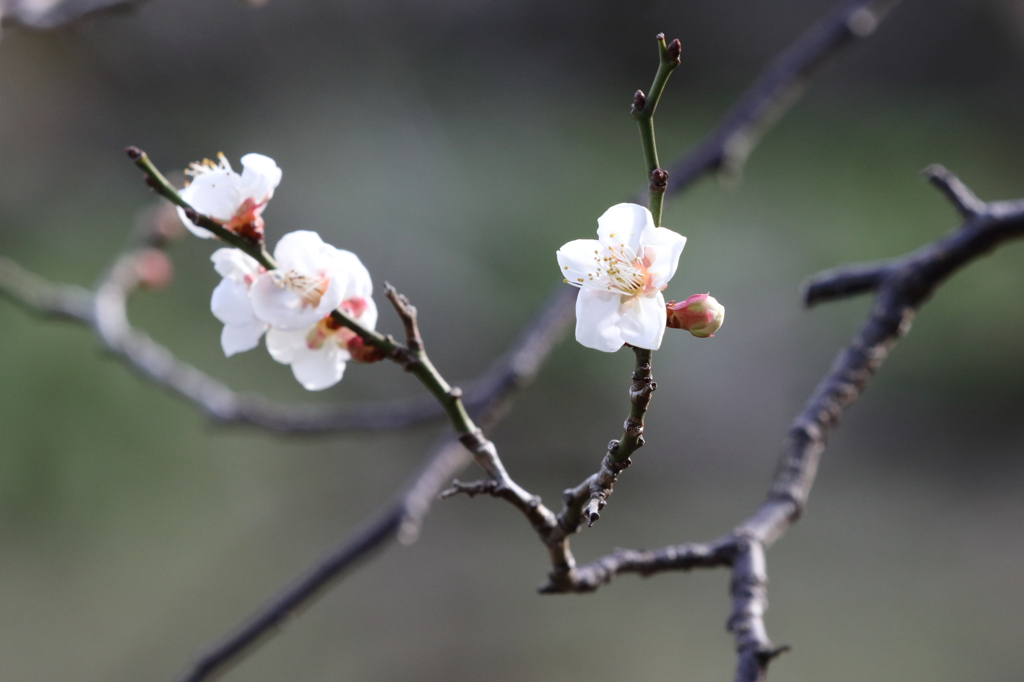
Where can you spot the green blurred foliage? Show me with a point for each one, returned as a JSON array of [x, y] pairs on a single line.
[[454, 146]]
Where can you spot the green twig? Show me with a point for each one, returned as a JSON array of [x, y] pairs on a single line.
[[412, 357], [160, 184], [643, 113]]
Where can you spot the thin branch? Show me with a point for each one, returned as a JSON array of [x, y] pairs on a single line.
[[39, 295], [400, 520], [218, 402], [47, 16], [782, 83], [843, 282], [749, 589], [908, 283], [643, 112], [528, 353], [962, 198]]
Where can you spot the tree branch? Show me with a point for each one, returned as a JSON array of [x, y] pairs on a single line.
[[788, 75], [105, 311], [728, 146], [908, 282], [400, 520], [46, 16]]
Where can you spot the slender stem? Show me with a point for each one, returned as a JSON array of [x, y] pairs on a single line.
[[639, 398], [414, 360], [156, 180], [643, 113]]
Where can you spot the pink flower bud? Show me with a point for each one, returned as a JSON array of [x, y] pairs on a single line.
[[700, 314], [153, 268]]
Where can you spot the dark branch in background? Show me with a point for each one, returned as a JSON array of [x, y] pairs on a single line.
[[44, 16], [901, 287], [516, 369], [777, 88], [727, 147], [105, 311], [402, 520], [801, 61]]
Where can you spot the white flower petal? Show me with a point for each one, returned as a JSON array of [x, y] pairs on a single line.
[[320, 369], [369, 317], [643, 322], [623, 224], [303, 251], [285, 346], [233, 263], [230, 303], [214, 193], [597, 320], [359, 284], [662, 247], [260, 177], [279, 306], [238, 338], [578, 261]]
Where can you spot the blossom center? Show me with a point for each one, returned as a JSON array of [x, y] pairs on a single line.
[[309, 289], [247, 220], [621, 270]]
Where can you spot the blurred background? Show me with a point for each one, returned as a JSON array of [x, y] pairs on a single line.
[[455, 145]]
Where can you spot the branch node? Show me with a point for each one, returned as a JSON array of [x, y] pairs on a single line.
[[675, 51], [639, 102], [407, 314], [484, 487], [659, 180]]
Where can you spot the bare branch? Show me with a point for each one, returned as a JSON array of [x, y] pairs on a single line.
[[589, 577], [907, 284], [962, 198], [400, 520], [843, 282], [726, 148], [749, 588], [220, 403], [38, 295], [785, 80], [407, 313], [41, 15]]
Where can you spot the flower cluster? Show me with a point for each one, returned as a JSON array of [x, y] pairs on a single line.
[[291, 304]]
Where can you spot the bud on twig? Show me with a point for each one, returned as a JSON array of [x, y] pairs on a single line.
[[134, 153], [675, 51], [659, 180], [700, 314], [639, 102]]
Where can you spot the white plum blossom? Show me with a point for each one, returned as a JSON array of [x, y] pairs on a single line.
[[318, 353], [235, 201], [621, 275], [230, 301], [310, 281]]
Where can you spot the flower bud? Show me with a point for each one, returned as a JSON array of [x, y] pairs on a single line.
[[700, 314], [153, 268]]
